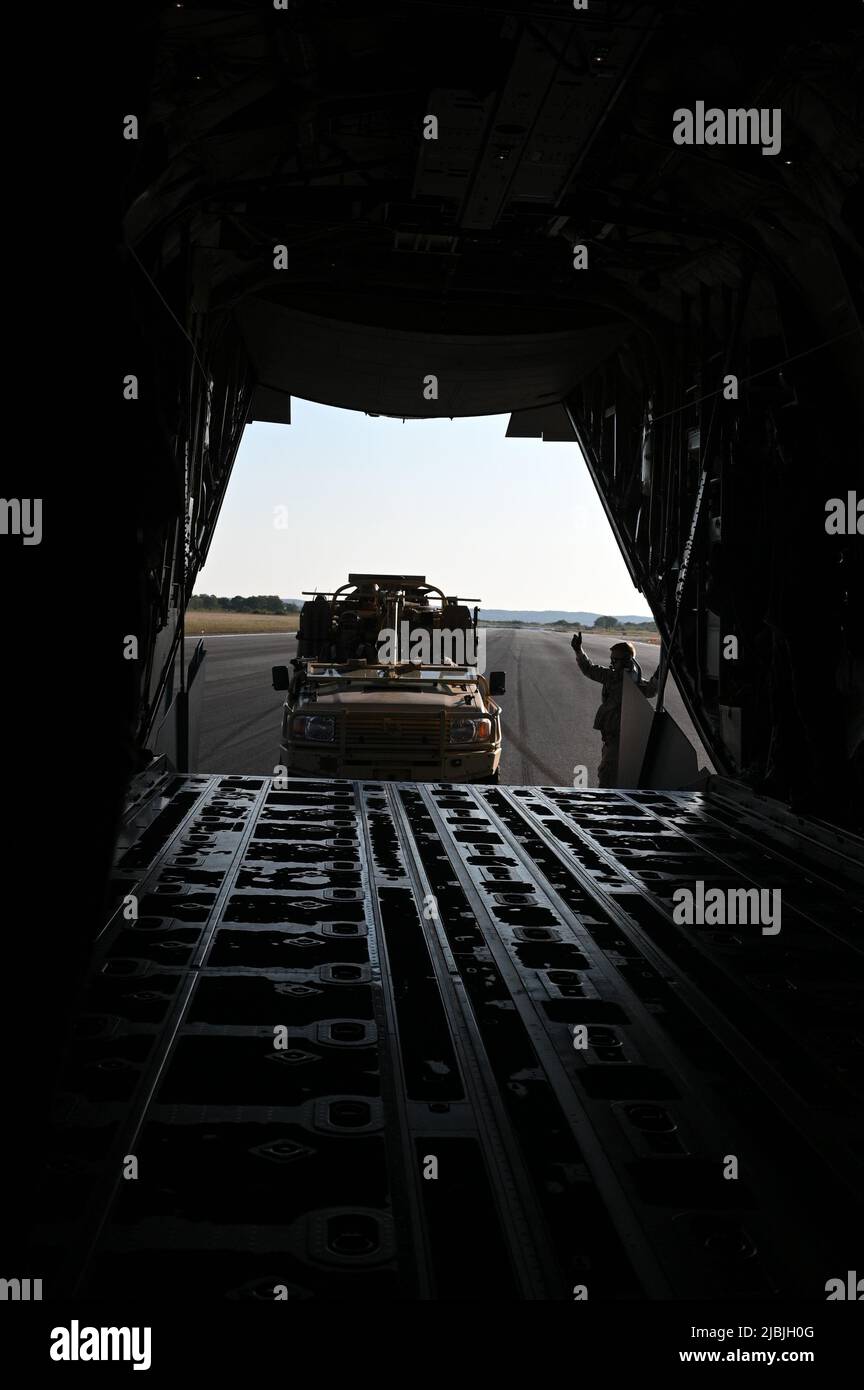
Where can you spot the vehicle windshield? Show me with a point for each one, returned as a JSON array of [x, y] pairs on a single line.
[[403, 676]]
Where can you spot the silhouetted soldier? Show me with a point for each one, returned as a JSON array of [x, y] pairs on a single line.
[[608, 717]]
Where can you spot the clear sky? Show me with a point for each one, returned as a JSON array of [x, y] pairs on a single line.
[[514, 522]]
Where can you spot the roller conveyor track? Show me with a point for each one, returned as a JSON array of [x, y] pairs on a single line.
[[427, 952]]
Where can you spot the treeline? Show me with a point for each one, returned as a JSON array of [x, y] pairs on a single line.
[[605, 622], [257, 603]]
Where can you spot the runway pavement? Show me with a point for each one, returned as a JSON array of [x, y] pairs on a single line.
[[548, 709]]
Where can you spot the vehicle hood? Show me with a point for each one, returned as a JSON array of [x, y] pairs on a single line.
[[387, 702]]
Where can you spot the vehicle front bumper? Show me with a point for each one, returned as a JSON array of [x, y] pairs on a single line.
[[462, 765]]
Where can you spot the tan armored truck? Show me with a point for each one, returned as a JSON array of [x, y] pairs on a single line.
[[388, 684]]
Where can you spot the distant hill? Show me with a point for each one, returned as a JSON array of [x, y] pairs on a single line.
[[554, 615]]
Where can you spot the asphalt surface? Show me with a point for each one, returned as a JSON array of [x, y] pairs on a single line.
[[548, 709]]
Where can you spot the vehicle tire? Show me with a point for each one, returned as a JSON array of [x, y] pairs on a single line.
[[492, 780]]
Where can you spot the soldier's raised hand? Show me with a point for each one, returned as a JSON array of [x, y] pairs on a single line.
[[576, 641]]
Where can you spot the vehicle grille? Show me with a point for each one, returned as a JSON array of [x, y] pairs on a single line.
[[399, 735]]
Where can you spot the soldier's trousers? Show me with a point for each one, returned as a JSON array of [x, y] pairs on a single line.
[[607, 773]]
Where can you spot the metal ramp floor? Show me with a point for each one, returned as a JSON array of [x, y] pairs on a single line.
[[337, 1053]]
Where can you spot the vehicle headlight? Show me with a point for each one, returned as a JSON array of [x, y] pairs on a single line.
[[320, 728], [470, 730]]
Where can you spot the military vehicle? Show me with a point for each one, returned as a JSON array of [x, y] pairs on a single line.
[[387, 684]]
